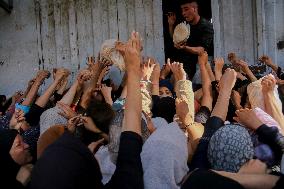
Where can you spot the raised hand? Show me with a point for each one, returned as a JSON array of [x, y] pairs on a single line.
[[268, 83], [203, 58], [248, 118], [42, 75], [171, 18], [90, 125], [266, 60], [60, 73], [166, 69], [243, 65], [228, 80], [106, 91], [17, 96], [66, 111], [147, 69], [183, 111], [74, 122], [84, 76], [18, 117], [132, 53], [178, 71], [94, 146], [180, 46], [219, 63]]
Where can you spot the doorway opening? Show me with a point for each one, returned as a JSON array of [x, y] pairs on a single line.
[[172, 6]]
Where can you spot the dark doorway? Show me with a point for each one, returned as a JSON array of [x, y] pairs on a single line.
[[204, 7]]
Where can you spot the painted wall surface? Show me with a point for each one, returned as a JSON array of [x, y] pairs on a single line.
[[43, 34], [249, 28]]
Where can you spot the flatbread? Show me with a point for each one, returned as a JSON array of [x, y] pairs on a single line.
[[181, 33], [109, 52]]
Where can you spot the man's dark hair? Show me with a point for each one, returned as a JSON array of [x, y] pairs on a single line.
[[182, 2]]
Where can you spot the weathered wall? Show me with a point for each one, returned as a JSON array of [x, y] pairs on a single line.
[[18, 44], [42, 34], [249, 28], [62, 33]]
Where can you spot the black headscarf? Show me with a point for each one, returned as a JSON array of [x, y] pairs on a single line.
[[67, 163], [9, 168]]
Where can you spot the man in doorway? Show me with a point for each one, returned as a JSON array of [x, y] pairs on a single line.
[[200, 39]]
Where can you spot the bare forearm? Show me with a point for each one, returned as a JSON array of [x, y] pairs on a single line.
[[273, 109], [250, 74], [31, 94], [206, 88], [171, 31], [62, 88], [133, 105], [210, 73], [273, 66], [194, 50], [108, 100], [155, 86], [43, 99], [69, 96], [124, 92], [221, 107], [218, 74], [27, 91]]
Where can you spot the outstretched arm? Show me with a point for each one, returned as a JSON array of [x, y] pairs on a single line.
[[83, 76], [206, 82], [43, 99], [271, 106], [43, 74], [226, 85], [133, 103]]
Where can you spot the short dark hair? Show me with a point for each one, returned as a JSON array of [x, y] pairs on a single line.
[[182, 2]]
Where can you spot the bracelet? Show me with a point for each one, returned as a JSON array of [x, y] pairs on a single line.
[[186, 126]]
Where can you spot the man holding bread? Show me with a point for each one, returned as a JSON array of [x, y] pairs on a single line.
[[192, 37]]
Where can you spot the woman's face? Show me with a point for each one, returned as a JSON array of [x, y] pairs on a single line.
[[165, 92]]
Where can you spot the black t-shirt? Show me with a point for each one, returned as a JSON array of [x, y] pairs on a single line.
[[201, 35]]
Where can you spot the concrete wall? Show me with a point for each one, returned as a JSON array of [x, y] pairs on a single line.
[[42, 34]]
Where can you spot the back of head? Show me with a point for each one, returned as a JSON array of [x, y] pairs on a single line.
[[101, 113], [229, 148], [164, 157], [166, 108], [48, 137], [67, 163]]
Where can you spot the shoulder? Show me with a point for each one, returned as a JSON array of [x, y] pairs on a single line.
[[205, 24]]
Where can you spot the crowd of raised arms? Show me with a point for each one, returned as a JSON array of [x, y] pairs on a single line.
[[152, 131], [125, 122]]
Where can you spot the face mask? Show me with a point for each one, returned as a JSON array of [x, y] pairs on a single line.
[[165, 95]]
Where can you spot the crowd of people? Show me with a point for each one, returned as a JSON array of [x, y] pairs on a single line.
[[154, 131]]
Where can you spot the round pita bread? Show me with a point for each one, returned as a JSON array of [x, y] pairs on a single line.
[[109, 52], [181, 33]]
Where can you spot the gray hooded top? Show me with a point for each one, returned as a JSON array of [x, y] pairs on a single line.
[[164, 158]]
